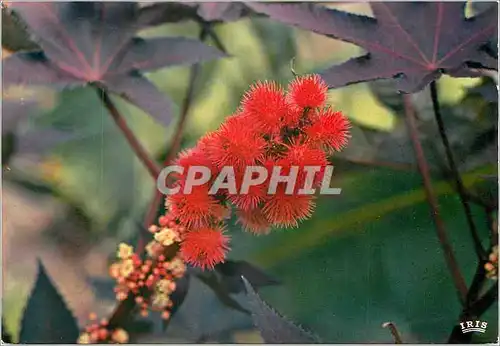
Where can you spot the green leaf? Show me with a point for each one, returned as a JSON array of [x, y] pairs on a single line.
[[368, 256], [46, 318]]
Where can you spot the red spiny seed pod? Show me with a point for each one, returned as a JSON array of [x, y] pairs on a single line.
[[205, 247], [252, 197], [307, 92], [329, 130], [195, 157], [235, 144], [194, 209], [254, 221], [285, 210], [265, 103], [292, 129]]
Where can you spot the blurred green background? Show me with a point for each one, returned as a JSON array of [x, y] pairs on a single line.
[[366, 257]]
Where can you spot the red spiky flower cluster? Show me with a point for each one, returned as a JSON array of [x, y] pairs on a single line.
[[272, 127]]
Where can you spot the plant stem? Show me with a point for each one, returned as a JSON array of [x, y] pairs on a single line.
[[173, 149], [423, 167], [175, 144], [492, 226], [475, 307], [394, 332], [455, 172], [134, 143], [473, 311], [124, 309], [208, 30]]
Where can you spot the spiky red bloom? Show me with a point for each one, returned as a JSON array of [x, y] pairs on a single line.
[[205, 247], [307, 91], [191, 158], [265, 103], [303, 155], [250, 200], [294, 115], [253, 221], [196, 209], [285, 210], [234, 144], [329, 130]]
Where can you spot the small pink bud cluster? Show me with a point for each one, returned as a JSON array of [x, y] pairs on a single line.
[[150, 281], [491, 266], [97, 332]]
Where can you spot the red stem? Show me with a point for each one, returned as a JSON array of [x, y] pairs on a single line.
[[423, 167], [462, 193], [124, 308], [132, 140]]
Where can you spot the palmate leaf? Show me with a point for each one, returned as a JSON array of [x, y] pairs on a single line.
[[93, 42], [411, 42], [14, 34], [16, 112]]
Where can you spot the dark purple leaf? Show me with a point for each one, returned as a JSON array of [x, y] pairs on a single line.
[[94, 42], [212, 281], [412, 42], [139, 91], [35, 69], [14, 34], [222, 11], [170, 12], [166, 12], [273, 327], [232, 271], [213, 10], [146, 55], [178, 296], [103, 287], [487, 89], [42, 141], [85, 39], [47, 319]]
